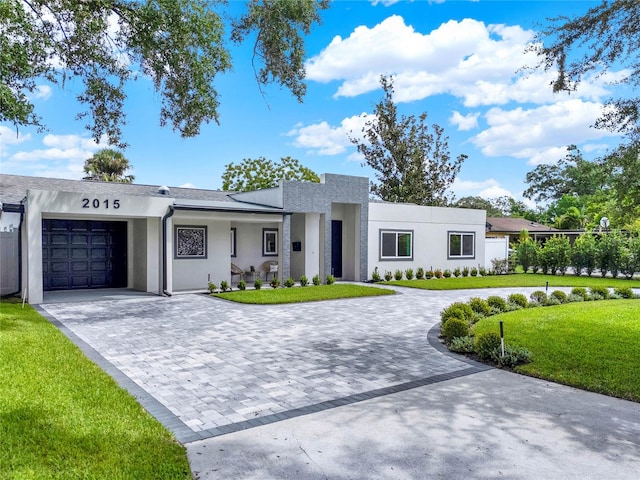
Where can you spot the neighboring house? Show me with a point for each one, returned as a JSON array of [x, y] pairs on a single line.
[[501, 227], [68, 234]]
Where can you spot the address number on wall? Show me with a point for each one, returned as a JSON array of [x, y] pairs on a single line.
[[96, 203]]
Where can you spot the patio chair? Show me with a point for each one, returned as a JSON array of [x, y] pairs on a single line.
[[236, 270], [270, 267]]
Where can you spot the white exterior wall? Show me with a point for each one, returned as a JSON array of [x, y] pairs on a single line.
[[311, 248], [71, 206], [430, 226], [496, 248]]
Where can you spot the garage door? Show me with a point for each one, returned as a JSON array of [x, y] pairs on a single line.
[[83, 254]]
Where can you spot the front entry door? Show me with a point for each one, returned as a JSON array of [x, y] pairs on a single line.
[[336, 248]]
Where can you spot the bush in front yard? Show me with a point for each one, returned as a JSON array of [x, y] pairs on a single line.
[[486, 344], [398, 275], [457, 309], [455, 327], [497, 303], [624, 292], [559, 295], [462, 345], [480, 306], [601, 292], [518, 299]]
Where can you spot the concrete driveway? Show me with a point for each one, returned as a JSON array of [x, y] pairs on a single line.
[[344, 389]]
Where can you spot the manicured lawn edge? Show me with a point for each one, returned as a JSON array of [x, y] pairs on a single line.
[[63, 417], [271, 296], [514, 280]]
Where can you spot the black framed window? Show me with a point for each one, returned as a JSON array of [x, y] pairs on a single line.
[[396, 244], [269, 242]]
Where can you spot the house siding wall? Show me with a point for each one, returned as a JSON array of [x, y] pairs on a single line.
[[430, 226]]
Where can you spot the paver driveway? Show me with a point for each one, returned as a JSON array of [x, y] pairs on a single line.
[[206, 367]]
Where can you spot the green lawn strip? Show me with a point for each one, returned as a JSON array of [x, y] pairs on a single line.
[[62, 417], [590, 345], [270, 296], [515, 280]]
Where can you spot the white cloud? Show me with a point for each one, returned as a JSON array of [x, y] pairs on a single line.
[[495, 192], [539, 134], [478, 63], [10, 137], [464, 122], [324, 139], [43, 92], [470, 185], [188, 185]]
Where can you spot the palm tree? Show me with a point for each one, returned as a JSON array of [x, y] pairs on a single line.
[[107, 165]]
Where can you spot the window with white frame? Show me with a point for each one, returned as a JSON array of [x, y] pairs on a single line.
[[269, 242], [462, 244], [396, 244]]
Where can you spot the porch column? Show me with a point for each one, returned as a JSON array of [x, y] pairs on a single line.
[[285, 272]]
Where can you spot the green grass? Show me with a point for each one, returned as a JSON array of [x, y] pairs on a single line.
[[62, 417], [590, 345], [270, 296], [515, 280]]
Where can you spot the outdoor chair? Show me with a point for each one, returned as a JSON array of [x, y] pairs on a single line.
[[236, 270]]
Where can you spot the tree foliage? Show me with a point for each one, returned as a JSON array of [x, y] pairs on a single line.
[[570, 175], [179, 44], [254, 174], [606, 36], [412, 162], [108, 165]]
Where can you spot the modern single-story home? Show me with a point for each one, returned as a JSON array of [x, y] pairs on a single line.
[[69, 234]]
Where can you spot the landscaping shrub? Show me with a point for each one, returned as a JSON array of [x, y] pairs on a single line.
[[456, 272], [556, 254], [479, 306], [446, 273], [316, 279], [304, 281], [526, 253], [462, 345], [474, 272], [398, 274], [457, 309], [482, 271], [624, 292], [602, 292], [559, 295], [242, 285], [486, 345], [513, 356], [581, 292], [552, 301], [497, 303], [428, 274], [584, 254], [289, 282], [437, 273], [499, 266], [330, 280], [539, 297], [408, 274], [420, 273], [257, 284], [572, 297], [375, 275], [224, 286], [388, 276], [518, 299], [212, 287], [275, 282], [455, 327], [465, 271]]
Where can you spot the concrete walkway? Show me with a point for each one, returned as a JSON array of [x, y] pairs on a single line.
[[356, 384]]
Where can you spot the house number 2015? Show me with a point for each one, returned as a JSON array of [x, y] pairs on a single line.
[[96, 203]]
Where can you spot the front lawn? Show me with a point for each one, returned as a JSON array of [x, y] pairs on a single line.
[[590, 345], [61, 416], [268, 295], [515, 280]]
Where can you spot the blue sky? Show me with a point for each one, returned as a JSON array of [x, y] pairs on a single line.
[[456, 60]]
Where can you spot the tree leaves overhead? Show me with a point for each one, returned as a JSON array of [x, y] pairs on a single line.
[[607, 36], [412, 162], [108, 165], [179, 44], [254, 174]]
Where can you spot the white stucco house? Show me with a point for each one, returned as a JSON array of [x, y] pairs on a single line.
[[60, 234]]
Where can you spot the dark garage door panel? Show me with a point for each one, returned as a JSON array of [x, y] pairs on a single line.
[[83, 254]]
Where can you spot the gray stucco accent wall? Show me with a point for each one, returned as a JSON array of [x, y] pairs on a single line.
[[304, 197]]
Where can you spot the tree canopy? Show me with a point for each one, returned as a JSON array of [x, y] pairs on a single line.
[[254, 174], [108, 165], [179, 44], [412, 162], [607, 36]]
